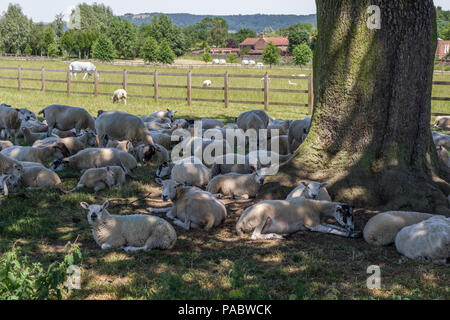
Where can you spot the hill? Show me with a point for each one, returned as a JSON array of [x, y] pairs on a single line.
[[255, 22]]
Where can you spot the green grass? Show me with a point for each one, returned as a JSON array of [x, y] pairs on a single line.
[[202, 265]]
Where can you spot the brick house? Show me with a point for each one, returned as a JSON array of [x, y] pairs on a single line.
[[443, 48], [257, 45]]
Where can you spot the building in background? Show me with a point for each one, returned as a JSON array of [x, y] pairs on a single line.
[[256, 46], [443, 48]]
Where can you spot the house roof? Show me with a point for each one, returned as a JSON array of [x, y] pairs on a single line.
[[276, 41]]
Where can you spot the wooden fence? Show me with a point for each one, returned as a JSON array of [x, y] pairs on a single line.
[[155, 85]]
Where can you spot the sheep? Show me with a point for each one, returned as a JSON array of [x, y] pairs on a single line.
[[155, 119], [164, 140], [64, 134], [31, 137], [96, 158], [382, 229], [282, 142], [441, 139], [122, 126], [120, 94], [101, 178], [253, 119], [443, 155], [66, 118], [292, 83], [38, 177], [207, 83], [189, 171], [243, 186], [232, 162], [271, 219], [73, 144], [35, 126], [132, 233], [282, 126], [164, 114], [428, 240], [5, 144], [266, 158], [207, 148], [10, 122], [10, 166], [442, 121], [312, 190], [5, 180], [125, 145], [180, 124], [27, 164], [154, 125], [211, 123], [192, 207], [298, 130], [145, 153], [40, 155]]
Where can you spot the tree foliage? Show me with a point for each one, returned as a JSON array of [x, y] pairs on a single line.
[[298, 34], [103, 49], [15, 29], [207, 56], [150, 50], [123, 34], [165, 53], [271, 54], [302, 54]]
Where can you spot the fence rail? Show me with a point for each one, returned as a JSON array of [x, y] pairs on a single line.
[[156, 85]]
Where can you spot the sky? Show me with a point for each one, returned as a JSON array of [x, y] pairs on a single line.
[[45, 10]]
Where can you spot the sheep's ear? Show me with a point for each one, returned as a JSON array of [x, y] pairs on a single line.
[[18, 110], [168, 110], [324, 185], [304, 183], [158, 181], [105, 205], [84, 205], [129, 145]]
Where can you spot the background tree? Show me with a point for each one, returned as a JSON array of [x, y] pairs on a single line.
[[243, 34], [218, 32], [28, 50], [49, 38], [165, 53], [95, 17], [123, 34], [53, 50], [232, 58], [302, 54], [37, 38], [271, 54], [150, 50], [15, 29], [68, 42], [103, 49], [207, 56], [370, 136], [231, 43], [298, 34], [58, 25]]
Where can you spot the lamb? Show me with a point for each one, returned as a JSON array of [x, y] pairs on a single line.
[[119, 94], [382, 229], [441, 139], [125, 145], [40, 155], [64, 134], [253, 119], [207, 83], [443, 155], [428, 240], [73, 144], [31, 137], [145, 153], [101, 178], [10, 122], [442, 121], [155, 125], [312, 190], [164, 114], [292, 83], [271, 219], [5, 144], [96, 158], [66, 118], [298, 130], [38, 177], [132, 233], [122, 126], [243, 186], [188, 171], [10, 166], [192, 207]]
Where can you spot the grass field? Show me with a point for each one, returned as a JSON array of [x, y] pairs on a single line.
[[208, 265]]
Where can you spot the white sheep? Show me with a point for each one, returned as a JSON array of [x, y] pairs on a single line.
[[66, 118], [442, 121], [164, 140], [192, 207], [120, 94], [31, 137], [41, 155], [206, 83], [5, 144], [271, 219], [64, 134], [292, 83], [298, 130], [443, 155], [310, 190], [280, 142], [156, 125], [38, 177], [101, 178], [150, 153], [10, 122], [192, 173], [428, 240], [253, 119], [132, 233], [441, 139], [125, 145], [164, 114], [382, 229], [10, 166], [208, 123], [73, 144], [281, 125], [242, 186], [232, 162]]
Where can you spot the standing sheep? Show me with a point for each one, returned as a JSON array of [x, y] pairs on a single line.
[[253, 119], [132, 233], [10, 122], [119, 94], [67, 118]]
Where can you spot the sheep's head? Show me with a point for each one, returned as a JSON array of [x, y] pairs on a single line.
[[110, 180], [96, 212], [164, 170], [343, 214], [90, 138], [60, 150], [7, 181], [258, 175], [170, 189], [312, 189], [26, 115], [59, 165], [171, 114]]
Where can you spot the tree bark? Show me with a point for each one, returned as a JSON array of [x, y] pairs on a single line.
[[370, 136]]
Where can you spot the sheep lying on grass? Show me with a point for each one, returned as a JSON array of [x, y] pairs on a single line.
[[442, 122], [164, 114], [5, 144], [206, 83], [31, 137], [101, 178], [382, 229], [188, 171], [164, 140], [119, 94], [253, 119], [40, 155], [192, 207], [147, 153], [73, 144], [37, 178], [237, 185], [441, 139], [124, 145], [10, 166], [132, 233], [271, 219], [66, 118], [312, 190], [428, 240], [232, 162]]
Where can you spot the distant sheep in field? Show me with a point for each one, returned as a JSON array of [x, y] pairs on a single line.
[[292, 83], [206, 83], [120, 94]]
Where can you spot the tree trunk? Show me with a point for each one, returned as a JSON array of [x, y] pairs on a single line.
[[370, 135]]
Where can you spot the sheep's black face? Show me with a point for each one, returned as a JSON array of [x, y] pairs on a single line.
[[163, 170], [344, 215], [149, 152], [59, 165]]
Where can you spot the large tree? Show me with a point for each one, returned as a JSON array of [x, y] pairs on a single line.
[[15, 29], [370, 136]]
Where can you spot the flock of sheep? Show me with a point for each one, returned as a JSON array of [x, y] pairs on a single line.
[[109, 147]]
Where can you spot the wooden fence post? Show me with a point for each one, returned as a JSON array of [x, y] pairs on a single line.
[[310, 94], [266, 92], [125, 79], [68, 82], [155, 85], [189, 88], [96, 83], [43, 79], [226, 90], [19, 78]]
